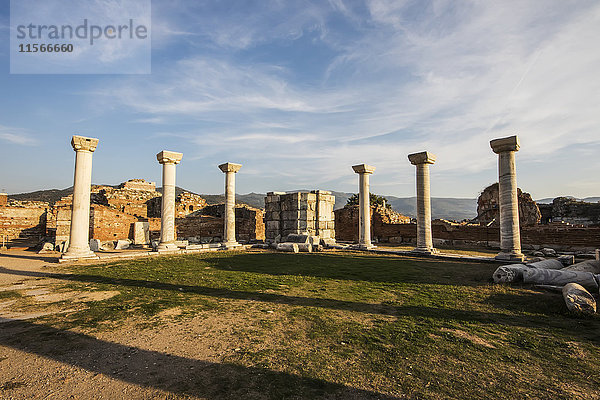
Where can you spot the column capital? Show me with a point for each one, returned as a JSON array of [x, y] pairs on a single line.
[[363, 169], [423, 157], [169, 157], [84, 143], [506, 144], [230, 167]]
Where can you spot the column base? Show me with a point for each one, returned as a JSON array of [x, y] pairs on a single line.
[[424, 250], [502, 256], [363, 246], [166, 247], [230, 245], [79, 255]]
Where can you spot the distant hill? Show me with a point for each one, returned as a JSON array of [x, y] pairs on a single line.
[[586, 199]]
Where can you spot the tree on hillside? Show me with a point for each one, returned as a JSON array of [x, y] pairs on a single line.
[[375, 200]]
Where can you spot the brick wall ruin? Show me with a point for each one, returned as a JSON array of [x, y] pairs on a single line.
[[23, 220], [298, 213], [382, 220]]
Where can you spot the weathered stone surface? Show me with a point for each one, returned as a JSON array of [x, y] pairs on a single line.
[[567, 260], [288, 247], [305, 247], [424, 239], [364, 205], [308, 213], [95, 245], [578, 300], [547, 264], [141, 233], [488, 206], [548, 252], [122, 245], [509, 273], [560, 278], [592, 266]]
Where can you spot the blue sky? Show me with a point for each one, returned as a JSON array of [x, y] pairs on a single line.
[[299, 91]]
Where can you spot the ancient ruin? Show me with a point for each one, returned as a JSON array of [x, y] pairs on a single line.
[[168, 159], [488, 208], [309, 213]]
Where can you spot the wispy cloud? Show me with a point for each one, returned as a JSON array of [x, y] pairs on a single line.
[[16, 136]]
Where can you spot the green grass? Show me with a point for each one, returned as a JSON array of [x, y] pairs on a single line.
[[386, 324]]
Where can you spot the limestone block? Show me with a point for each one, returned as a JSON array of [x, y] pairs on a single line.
[[578, 300], [122, 244], [95, 245], [291, 225], [548, 252], [297, 238], [305, 247], [288, 247], [302, 225], [141, 233], [567, 260], [182, 243], [272, 225], [47, 247]]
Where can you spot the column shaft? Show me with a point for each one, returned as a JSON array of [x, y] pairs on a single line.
[[424, 238], [80, 214], [364, 233], [229, 223], [510, 236], [79, 235], [167, 221]]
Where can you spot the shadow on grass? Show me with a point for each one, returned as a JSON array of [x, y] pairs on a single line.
[[541, 317], [168, 372], [359, 267]]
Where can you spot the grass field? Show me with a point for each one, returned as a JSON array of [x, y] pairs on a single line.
[[389, 326]]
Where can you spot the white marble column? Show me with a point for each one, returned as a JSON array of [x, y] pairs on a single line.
[[79, 244], [230, 170], [424, 238], [510, 236], [364, 202], [168, 159]]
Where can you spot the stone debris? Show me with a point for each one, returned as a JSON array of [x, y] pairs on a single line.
[[578, 300], [509, 273], [122, 245], [288, 247]]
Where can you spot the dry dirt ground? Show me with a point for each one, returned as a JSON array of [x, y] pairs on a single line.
[[171, 358]]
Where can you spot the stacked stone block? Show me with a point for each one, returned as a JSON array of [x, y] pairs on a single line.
[[299, 213]]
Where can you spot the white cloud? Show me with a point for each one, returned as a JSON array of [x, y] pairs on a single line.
[[16, 136]]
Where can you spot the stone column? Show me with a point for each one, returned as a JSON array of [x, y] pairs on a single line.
[[230, 170], [510, 236], [168, 159], [364, 226], [424, 238], [79, 244]]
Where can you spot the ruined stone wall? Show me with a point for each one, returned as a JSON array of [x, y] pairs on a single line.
[[249, 221], [575, 212], [23, 220], [301, 212], [488, 208], [187, 203], [138, 184], [107, 223], [199, 228], [384, 223], [3, 199]]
